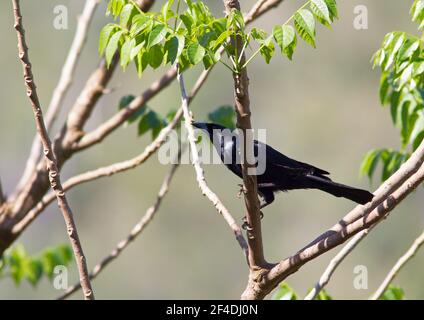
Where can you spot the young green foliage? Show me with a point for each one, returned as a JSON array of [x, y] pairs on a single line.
[[401, 59], [17, 264], [195, 36]]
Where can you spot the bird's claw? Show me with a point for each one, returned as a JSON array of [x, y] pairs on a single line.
[[241, 191], [245, 225]]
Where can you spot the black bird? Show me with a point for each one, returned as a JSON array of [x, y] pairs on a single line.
[[281, 172]]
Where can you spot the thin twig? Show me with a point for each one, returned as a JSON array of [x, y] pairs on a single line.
[[334, 263], [135, 231], [50, 158], [199, 170], [34, 188], [63, 84], [399, 264], [114, 168]]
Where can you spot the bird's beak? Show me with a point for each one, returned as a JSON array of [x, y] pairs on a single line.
[[200, 125]]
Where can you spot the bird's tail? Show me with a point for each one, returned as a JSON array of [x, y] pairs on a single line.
[[340, 190]]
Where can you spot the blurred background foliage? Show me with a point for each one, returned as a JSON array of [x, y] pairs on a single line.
[[323, 108]]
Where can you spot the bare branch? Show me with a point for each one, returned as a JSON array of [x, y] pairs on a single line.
[[113, 168], [381, 194], [199, 171], [290, 265], [260, 8], [136, 231], [54, 175], [120, 117], [334, 263], [399, 264], [37, 184], [63, 84]]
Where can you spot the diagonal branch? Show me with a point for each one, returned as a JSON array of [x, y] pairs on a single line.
[[199, 171], [399, 265], [102, 131], [50, 157], [115, 168], [290, 265], [334, 263], [34, 188], [409, 168], [63, 84], [136, 231]]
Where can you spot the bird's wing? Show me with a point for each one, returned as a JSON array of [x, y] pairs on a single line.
[[280, 160]]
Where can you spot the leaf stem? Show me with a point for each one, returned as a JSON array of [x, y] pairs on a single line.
[[266, 40]]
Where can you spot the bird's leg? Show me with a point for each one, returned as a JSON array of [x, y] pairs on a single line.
[[241, 191]]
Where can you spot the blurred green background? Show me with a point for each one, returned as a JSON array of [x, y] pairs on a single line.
[[322, 108]]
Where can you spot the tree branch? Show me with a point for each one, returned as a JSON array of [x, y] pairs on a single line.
[[199, 171], [290, 265], [334, 263], [136, 231], [257, 263], [410, 167], [399, 264], [112, 169], [37, 184], [120, 117], [63, 84], [50, 157]]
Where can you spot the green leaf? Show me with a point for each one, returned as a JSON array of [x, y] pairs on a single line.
[[155, 56], [157, 34], [408, 49], [369, 163], [285, 37], [140, 22], [150, 121], [112, 46], [195, 53], [33, 271], [126, 51], [17, 261], [284, 292], [267, 51], [104, 37], [188, 22], [320, 10], [221, 38], [393, 293], [166, 9], [127, 14], [323, 295], [305, 25], [384, 88], [50, 259], [223, 115], [125, 102], [332, 8], [174, 48]]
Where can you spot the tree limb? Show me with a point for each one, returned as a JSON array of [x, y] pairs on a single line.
[[37, 184], [290, 265], [399, 264], [199, 171], [334, 263], [112, 169], [54, 175], [136, 231], [63, 84]]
